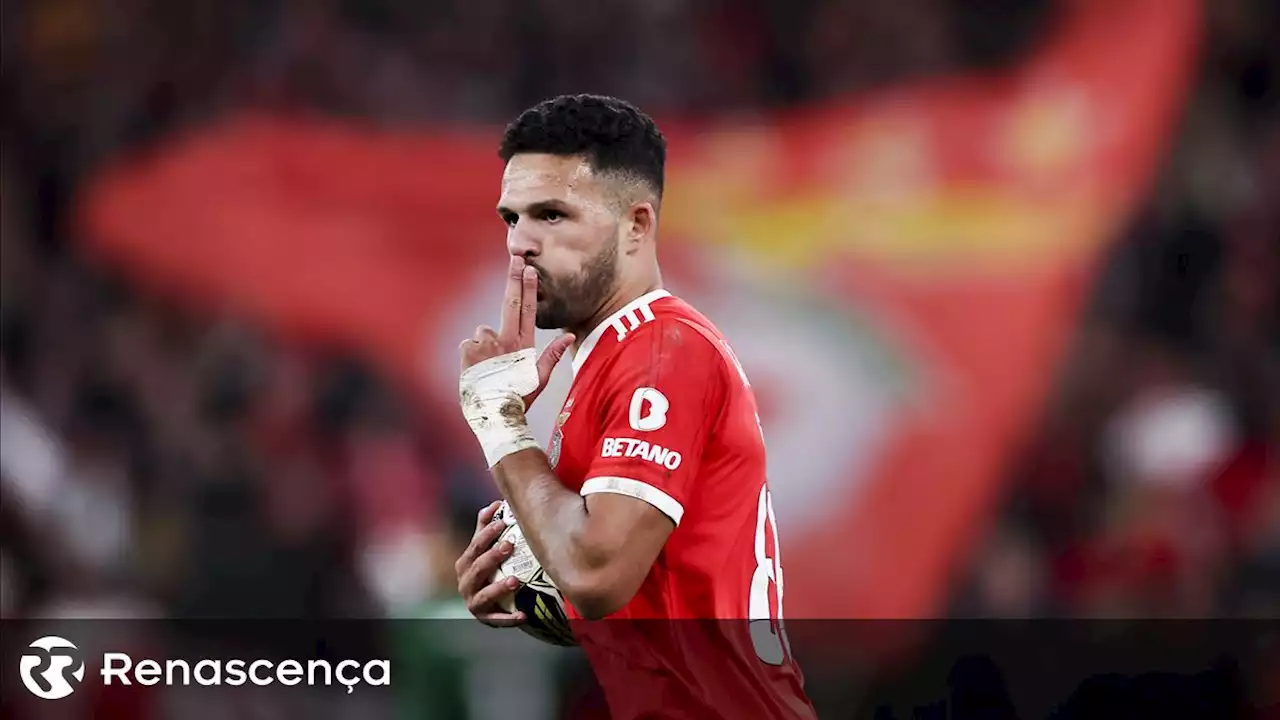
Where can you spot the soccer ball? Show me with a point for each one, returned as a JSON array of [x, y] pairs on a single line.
[[537, 596]]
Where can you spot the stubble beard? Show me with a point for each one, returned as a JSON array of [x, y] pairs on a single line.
[[569, 303]]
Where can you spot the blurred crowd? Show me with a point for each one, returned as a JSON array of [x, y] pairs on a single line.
[[201, 467], [1151, 486]]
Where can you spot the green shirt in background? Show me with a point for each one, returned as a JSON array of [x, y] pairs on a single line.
[[448, 666]]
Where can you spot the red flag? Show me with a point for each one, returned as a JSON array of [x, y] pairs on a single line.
[[897, 273]]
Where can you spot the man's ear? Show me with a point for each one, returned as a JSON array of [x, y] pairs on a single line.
[[642, 224]]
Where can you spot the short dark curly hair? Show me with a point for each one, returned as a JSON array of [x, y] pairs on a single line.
[[611, 134]]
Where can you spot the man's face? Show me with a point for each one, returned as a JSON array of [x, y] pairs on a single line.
[[560, 219]]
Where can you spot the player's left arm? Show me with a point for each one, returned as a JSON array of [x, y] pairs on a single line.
[[667, 386]]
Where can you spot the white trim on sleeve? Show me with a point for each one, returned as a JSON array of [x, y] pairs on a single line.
[[638, 490]]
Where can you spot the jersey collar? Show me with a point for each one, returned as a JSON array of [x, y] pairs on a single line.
[[590, 343]]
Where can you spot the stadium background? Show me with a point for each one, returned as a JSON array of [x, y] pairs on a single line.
[[1004, 273]]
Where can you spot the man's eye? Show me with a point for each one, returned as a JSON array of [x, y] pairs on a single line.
[[552, 215], [510, 220]]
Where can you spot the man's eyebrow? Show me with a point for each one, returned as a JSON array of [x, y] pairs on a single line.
[[537, 207]]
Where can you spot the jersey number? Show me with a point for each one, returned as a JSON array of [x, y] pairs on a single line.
[[767, 634]]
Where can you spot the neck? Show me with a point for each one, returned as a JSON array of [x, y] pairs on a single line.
[[618, 300]]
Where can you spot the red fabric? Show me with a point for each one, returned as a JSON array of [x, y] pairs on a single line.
[[661, 380], [1239, 484]]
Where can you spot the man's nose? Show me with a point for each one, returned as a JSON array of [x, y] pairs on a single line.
[[523, 242]]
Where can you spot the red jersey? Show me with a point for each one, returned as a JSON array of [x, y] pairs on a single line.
[[661, 410]]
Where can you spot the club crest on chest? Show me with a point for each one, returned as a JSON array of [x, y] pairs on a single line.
[[557, 437]]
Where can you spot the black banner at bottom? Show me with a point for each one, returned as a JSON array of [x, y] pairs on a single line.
[[411, 669]]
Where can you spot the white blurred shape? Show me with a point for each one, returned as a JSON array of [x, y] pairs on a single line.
[[1171, 438], [83, 503], [93, 514], [397, 568], [32, 460]]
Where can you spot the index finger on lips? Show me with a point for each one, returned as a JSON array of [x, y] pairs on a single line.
[[528, 307], [512, 300]]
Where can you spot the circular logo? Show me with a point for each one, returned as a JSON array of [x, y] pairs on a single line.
[[50, 666]]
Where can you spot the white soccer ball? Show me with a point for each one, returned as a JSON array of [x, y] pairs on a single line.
[[537, 596]]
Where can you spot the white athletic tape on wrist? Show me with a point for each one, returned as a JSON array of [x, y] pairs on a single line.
[[492, 395]]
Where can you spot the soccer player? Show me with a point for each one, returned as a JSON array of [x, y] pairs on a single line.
[[651, 502]]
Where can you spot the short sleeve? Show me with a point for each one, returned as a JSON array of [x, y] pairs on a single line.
[[666, 390]]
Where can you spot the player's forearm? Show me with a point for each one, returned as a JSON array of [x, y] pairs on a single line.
[[575, 551]]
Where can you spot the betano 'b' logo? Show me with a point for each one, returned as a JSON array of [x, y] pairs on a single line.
[[656, 416], [50, 666]]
